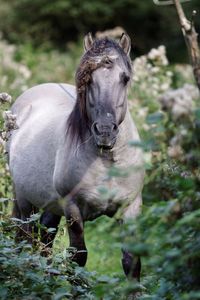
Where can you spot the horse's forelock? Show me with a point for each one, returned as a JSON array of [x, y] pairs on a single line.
[[95, 57]]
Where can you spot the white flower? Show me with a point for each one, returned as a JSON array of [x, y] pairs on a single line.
[[153, 54], [175, 151], [4, 97], [155, 87], [158, 56], [142, 112], [165, 86], [10, 121], [25, 72], [180, 101], [169, 74], [2, 142], [146, 127], [148, 157], [155, 70]]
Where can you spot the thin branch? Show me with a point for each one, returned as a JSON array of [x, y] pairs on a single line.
[[194, 13], [185, 24], [168, 2], [189, 33], [191, 39]]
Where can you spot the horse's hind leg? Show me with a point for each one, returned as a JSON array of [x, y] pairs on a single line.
[[48, 220], [76, 233], [16, 211], [16, 214]]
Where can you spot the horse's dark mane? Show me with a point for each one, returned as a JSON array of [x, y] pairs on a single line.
[[77, 123]]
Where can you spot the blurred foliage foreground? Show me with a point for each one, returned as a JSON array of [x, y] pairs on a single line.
[[164, 104]]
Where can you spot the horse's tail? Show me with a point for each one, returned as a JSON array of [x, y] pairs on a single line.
[[16, 211]]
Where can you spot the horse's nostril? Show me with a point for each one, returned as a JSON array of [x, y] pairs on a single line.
[[114, 127], [96, 128], [104, 129]]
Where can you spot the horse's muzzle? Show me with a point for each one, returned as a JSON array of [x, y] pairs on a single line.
[[105, 135]]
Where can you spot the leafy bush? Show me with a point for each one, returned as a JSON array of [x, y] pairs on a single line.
[[167, 234], [25, 274]]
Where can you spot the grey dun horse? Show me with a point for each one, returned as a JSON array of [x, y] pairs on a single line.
[[69, 138]]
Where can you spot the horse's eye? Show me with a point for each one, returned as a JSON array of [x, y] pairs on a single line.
[[108, 62]]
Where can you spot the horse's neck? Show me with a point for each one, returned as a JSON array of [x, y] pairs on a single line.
[[128, 132], [88, 151], [75, 161]]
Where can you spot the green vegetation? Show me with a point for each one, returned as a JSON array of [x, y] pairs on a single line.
[[166, 235]]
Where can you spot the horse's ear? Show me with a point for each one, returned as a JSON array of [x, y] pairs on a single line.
[[88, 42], [125, 43]]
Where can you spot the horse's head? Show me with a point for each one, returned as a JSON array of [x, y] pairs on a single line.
[[106, 90], [101, 80]]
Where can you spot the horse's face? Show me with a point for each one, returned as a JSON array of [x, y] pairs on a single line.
[[106, 100], [107, 103]]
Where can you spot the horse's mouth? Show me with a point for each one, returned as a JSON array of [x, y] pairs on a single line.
[[106, 146], [105, 135]]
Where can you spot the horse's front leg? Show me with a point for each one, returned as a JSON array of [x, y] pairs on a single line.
[[48, 220], [27, 230], [131, 263], [76, 233]]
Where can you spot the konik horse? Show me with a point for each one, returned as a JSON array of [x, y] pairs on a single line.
[[68, 139]]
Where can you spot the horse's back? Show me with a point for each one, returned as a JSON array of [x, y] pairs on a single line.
[[45, 96], [41, 116]]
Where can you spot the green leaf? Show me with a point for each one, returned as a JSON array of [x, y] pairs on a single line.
[[155, 118]]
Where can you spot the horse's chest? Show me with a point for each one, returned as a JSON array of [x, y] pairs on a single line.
[[100, 184], [88, 174]]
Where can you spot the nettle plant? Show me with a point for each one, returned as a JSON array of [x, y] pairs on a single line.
[[167, 234], [28, 275], [152, 76], [166, 106], [7, 123]]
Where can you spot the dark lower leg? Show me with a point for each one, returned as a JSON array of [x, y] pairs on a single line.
[[131, 265], [49, 220], [28, 230], [77, 242], [76, 234]]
